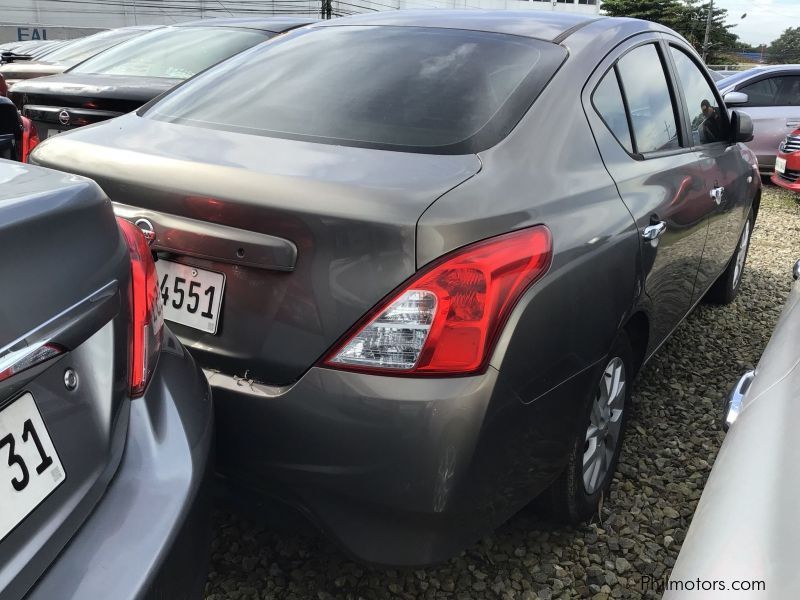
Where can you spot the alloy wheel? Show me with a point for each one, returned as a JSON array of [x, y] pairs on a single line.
[[741, 254], [605, 425]]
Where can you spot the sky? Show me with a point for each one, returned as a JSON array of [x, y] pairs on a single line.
[[765, 21]]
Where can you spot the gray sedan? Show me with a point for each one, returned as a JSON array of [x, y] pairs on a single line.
[[105, 420], [771, 96], [745, 532], [422, 272]]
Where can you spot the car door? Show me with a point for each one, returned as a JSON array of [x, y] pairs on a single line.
[[773, 102], [635, 117], [720, 161]]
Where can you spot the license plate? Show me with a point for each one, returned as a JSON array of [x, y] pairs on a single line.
[[29, 466], [191, 296], [780, 164]]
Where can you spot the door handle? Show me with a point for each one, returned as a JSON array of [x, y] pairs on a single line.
[[716, 194], [654, 231]]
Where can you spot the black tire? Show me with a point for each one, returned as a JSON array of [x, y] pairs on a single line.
[[570, 501], [726, 287]]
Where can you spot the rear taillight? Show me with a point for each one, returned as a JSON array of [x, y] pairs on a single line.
[[147, 320], [446, 318], [30, 138], [21, 359]]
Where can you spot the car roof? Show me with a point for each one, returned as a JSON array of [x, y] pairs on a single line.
[[539, 24], [272, 24], [742, 76]]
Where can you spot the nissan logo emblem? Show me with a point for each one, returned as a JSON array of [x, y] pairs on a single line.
[[147, 229], [63, 117]]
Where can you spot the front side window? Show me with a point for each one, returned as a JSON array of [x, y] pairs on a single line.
[[607, 99], [173, 52], [415, 89], [707, 120], [649, 100], [773, 91]]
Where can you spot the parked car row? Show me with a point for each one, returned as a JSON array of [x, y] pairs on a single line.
[[135, 71], [69, 55], [415, 317]]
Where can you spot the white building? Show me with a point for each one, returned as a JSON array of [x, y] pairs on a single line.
[[60, 19]]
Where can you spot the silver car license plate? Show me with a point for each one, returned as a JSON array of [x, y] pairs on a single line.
[[30, 469], [191, 296]]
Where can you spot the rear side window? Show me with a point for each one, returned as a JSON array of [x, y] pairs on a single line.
[[708, 122], [415, 89], [775, 91], [608, 102], [649, 100], [175, 52]]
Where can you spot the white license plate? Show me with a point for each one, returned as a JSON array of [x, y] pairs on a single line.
[[29, 466], [191, 296], [780, 164]]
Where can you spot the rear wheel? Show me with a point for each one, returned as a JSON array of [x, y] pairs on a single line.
[[727, 286], [576, 495]]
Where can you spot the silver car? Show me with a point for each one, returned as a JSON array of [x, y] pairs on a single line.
[[771, 96], [744, 534], [106, 421]]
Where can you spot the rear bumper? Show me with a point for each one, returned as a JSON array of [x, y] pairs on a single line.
[[149, 535], [399, 471]]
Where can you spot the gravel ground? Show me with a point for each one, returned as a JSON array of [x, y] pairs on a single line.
[[671, 444]]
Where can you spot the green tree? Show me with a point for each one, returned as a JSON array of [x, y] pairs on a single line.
[[687, 17], [670, 13], [786, 49]]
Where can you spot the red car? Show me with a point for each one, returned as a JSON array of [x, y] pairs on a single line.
[[787, 163]]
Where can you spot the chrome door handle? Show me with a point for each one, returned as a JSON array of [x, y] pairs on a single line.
[[655, 231], [716, 194]]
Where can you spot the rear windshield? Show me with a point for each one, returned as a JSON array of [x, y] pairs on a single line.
[[406, 88], [74, 52], [176, 52]]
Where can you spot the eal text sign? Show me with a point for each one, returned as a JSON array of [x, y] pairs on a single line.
[[31, 33]]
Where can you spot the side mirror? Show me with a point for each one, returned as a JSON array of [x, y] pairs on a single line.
[[742, 126], [735, 98]]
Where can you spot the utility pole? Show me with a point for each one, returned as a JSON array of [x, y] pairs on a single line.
[[708, 28]]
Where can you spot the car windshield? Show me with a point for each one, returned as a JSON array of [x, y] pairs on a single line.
[[407, 88], [175, 52], [81, 49]]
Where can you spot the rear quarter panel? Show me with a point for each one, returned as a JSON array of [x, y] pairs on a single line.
[[547, 171]]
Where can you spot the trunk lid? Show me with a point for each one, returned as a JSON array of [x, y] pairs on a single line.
[[74, 100], [70, 270], [308, 236]]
